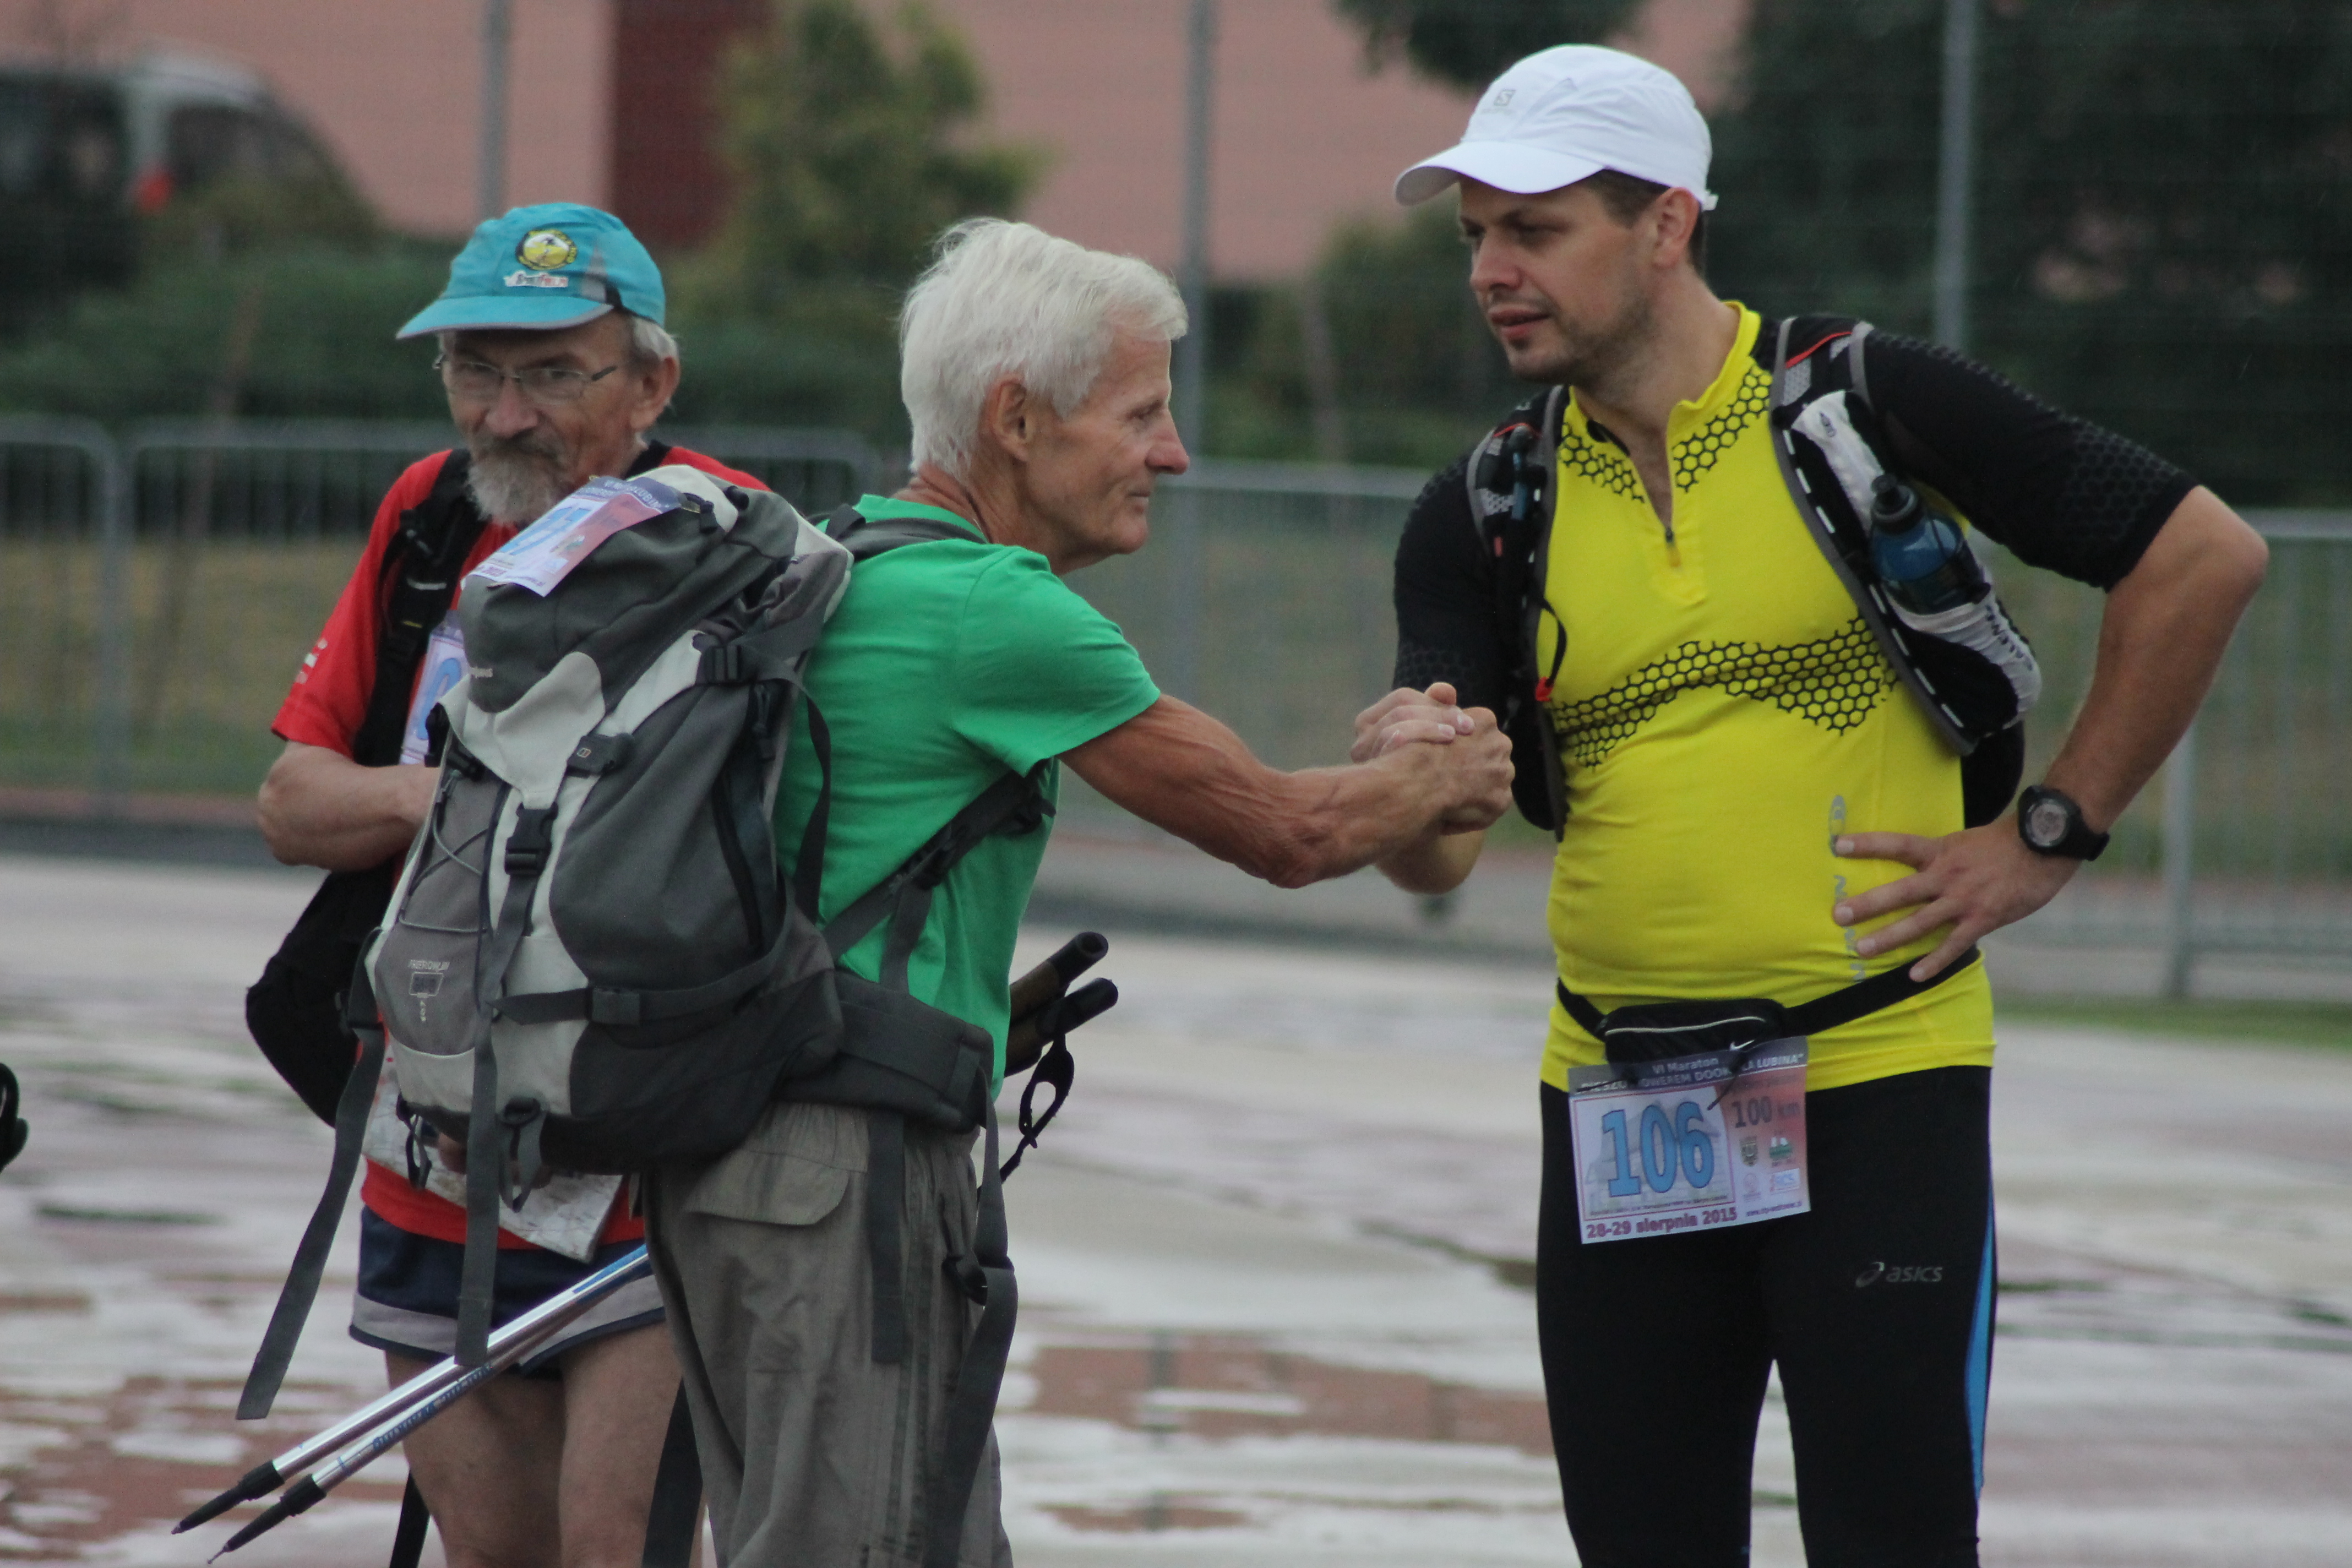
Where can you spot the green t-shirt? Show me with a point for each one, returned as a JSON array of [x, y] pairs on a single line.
[[948, 665]]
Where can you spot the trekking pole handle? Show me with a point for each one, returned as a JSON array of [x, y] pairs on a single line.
[[1044, 984], [1025, 1041], [508, 1345]]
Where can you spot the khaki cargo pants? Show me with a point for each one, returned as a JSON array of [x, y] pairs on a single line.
[[814, 1454]]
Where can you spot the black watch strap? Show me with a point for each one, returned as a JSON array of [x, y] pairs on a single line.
[[2051, 822]]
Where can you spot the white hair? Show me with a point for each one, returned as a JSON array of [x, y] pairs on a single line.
[[1007, 300], [648, 339]]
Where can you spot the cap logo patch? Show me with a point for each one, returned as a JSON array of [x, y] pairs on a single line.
[[545, 249], [536, 280], [1502, 99]]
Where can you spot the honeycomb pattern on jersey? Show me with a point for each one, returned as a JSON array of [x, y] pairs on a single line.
[[1833, 681], [1708, 444], [1599, 461]]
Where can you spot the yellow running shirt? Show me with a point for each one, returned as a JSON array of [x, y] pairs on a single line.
[[1723, 713]]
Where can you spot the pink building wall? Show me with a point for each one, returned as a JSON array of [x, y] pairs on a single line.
[[1305, 136]]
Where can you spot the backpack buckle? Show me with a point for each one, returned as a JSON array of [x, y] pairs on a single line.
[[531, 842], [724, 666]]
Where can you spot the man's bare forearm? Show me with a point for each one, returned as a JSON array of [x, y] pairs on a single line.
[[2166, 628], [318, 807], [1181, 770]]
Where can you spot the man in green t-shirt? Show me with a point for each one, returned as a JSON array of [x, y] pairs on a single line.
[[1036, 375]]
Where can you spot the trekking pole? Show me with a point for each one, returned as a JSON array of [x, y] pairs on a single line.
[[437, 1387], [1034, 993]]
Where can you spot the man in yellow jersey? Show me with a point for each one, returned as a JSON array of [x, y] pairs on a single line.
[[1755, 804]]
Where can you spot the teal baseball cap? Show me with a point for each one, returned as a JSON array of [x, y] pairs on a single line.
[[554, 265]]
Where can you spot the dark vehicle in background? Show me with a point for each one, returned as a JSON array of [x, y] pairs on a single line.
[[85, 151]]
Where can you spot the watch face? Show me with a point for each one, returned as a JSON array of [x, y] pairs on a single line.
[[2045, 824]]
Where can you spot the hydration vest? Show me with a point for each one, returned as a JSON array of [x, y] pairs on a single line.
[[1974, 676]]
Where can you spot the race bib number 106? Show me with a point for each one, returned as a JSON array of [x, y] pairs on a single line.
[[1692, 1143]]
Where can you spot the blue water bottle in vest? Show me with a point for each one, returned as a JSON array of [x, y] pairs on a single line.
[[1923, 559]]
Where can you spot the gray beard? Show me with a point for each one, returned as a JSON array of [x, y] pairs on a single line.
[[515, 482]]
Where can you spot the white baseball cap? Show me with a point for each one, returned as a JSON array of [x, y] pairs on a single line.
[[1564, 115]]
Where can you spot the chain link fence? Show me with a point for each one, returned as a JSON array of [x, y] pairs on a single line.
[[157, 591]]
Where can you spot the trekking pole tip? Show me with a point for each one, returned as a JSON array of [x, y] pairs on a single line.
[[299, 1496], [258, 1482]]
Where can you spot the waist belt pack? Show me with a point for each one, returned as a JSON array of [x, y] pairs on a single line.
[[591, 960], [1661, 1031], [1974, 677]]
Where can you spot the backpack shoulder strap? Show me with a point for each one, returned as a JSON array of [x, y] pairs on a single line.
[[1502, 477], [1513, 498], [868, 537], [1015, 803], [418, 582], [1816, 356]]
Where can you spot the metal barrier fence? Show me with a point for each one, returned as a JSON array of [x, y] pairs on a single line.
[[158, 590], [1265, 599]]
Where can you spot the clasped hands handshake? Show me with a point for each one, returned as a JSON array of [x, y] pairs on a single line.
[[1471, 750]]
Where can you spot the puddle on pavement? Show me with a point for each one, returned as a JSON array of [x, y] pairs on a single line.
[[1217, 1387], [143, 1456], [1158, 1513]]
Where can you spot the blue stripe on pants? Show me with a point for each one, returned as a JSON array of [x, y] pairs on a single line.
[[1980, 1357]]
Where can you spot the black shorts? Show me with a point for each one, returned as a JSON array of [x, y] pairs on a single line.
[[1876, 1306], [407, 1297]]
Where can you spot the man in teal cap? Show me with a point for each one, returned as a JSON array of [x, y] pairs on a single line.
[[556, 366]]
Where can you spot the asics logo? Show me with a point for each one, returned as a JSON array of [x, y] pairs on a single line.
[[1903, 1274]]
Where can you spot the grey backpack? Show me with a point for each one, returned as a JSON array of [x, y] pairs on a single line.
[[588, 937], [589, 941]]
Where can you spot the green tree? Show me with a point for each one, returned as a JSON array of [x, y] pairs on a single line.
[[2162, 240], [1469, 43], [320, 339], [853, 141], [852, 146], [1413, 374]]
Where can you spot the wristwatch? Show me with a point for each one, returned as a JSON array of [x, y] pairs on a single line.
[[2052, 824]]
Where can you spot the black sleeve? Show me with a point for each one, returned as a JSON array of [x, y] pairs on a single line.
[[2058, 492], [1447, 626]]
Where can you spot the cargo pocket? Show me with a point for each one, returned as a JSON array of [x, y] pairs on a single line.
[[768, 1188]]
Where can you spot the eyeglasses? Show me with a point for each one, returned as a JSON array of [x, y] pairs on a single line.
[[541, 384]]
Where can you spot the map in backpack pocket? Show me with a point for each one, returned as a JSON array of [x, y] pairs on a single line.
[[543, 555]]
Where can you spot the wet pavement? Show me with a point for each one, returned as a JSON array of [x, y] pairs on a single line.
[[1273, 1262]]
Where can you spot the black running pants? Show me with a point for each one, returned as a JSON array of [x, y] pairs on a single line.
[[1877, 1306]]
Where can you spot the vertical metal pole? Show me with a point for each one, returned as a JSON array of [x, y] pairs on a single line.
[[1192, 353], [2181, 866], [112, 781], [1956, 173], [497, 38], [1188, 568]]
